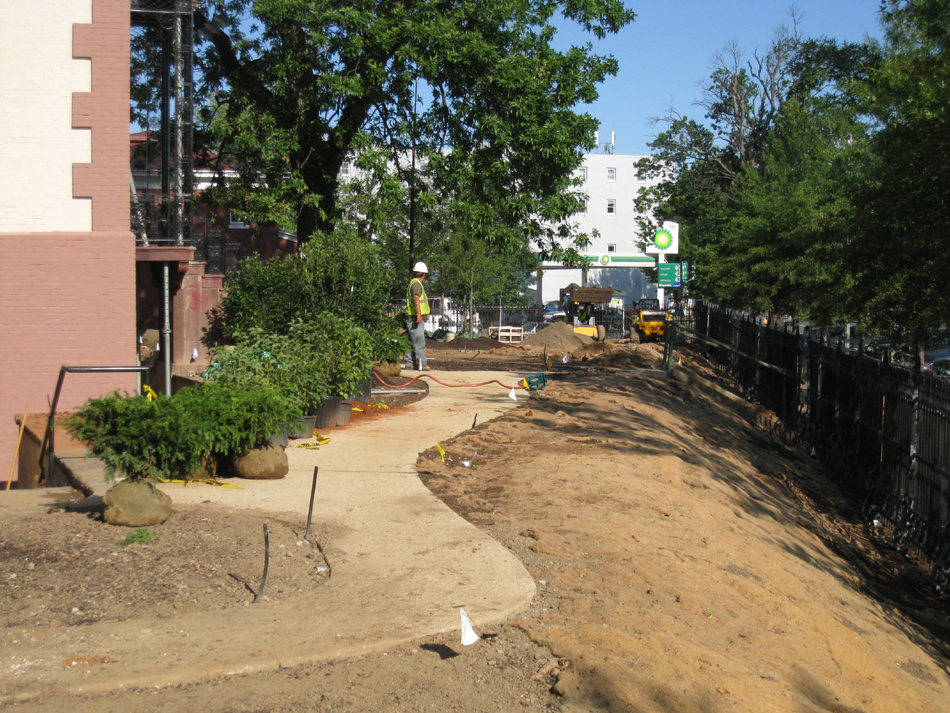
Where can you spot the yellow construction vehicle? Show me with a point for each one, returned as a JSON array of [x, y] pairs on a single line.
[[649, 321], [579, 306]]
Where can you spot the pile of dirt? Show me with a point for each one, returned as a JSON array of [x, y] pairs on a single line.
[[559, 336], [699, 564], [621, 356], [598, 351]]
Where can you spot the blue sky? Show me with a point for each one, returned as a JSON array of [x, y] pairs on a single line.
[[669, 49]]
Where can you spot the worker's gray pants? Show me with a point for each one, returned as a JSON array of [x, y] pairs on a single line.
[[417, 335]]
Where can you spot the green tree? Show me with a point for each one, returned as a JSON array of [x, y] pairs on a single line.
[[304, 85], [764, 189], [783, 241], [904, 197]]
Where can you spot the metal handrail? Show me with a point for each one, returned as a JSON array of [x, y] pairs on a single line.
[[48, 436]]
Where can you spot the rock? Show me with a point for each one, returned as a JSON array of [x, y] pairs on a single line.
[[567, 683], [136, 504], [388, 368], [267, 463]]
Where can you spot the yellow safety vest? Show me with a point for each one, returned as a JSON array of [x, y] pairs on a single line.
[[423, 300]]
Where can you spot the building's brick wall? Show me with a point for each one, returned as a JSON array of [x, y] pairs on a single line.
[[68, 298], [106, 111]]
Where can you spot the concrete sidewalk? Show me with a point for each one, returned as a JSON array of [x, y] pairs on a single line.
[[402, 564]]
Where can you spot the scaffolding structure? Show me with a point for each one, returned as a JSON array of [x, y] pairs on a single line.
[[163, 214]]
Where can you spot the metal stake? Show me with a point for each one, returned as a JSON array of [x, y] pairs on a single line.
[[313, 490]]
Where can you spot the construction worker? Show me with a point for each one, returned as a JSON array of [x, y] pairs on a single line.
[[417, 306]]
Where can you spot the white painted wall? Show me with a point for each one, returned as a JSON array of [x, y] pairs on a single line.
[[617, 229], [38, 145]]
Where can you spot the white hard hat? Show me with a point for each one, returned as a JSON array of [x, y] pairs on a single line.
[[420, 267]]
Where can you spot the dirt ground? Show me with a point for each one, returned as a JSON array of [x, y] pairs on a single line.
[[686, 561]]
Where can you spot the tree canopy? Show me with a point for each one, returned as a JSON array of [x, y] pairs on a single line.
[[818, 183], [474, 88]]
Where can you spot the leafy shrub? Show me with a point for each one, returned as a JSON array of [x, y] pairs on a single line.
[[320, 356], [233, 420], [340, 349], [339, 273], [138, 438], [388, 343], [282, 362], [167, 438]]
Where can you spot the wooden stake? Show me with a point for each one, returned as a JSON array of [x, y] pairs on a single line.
[[16, 451]]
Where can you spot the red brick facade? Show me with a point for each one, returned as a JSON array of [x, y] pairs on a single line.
[[68, 298]]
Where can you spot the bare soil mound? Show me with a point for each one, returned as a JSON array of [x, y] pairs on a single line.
[[621, 356], [559, 336], [688, 561]]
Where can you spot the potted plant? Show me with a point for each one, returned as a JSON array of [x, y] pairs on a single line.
[[281, 362]]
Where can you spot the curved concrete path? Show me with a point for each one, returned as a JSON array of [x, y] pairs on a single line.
[[402, 563]]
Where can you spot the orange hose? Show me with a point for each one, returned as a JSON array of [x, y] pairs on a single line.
[[452, 386]]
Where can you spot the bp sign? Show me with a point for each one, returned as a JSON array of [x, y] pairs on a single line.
[[665, 240]]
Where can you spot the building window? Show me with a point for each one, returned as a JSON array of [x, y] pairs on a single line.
[[611, 206], [611, 174], [641, 178], [235, 222], [582, 173], [611, 248], [345, 169]]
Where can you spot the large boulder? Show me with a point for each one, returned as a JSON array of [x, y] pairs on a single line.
[[266, 463], [136, 504]]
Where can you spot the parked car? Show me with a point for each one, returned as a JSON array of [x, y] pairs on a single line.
[[940, 367], [553, 312]]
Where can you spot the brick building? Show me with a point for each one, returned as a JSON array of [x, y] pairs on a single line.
[[67, 256]]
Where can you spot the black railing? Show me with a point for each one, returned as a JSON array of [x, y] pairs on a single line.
[[162, 220], [48, 444], [881, 429]]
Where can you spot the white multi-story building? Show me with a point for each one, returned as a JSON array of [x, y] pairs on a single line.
[[611, 184]]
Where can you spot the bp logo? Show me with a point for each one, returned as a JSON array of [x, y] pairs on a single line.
[[605, 259], [662, 239]]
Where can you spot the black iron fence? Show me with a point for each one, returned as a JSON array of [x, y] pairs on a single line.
[[881, 428], [161, 220]]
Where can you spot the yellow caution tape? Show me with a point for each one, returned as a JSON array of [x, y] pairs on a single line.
[[206, 481], [358, 409], [149, 392], [314, 446], [441, 452], [383, 406]]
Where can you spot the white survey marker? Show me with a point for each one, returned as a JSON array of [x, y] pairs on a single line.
[[469, 636]]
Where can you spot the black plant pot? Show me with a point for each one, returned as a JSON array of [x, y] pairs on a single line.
[[301, 427], [328, 412]]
